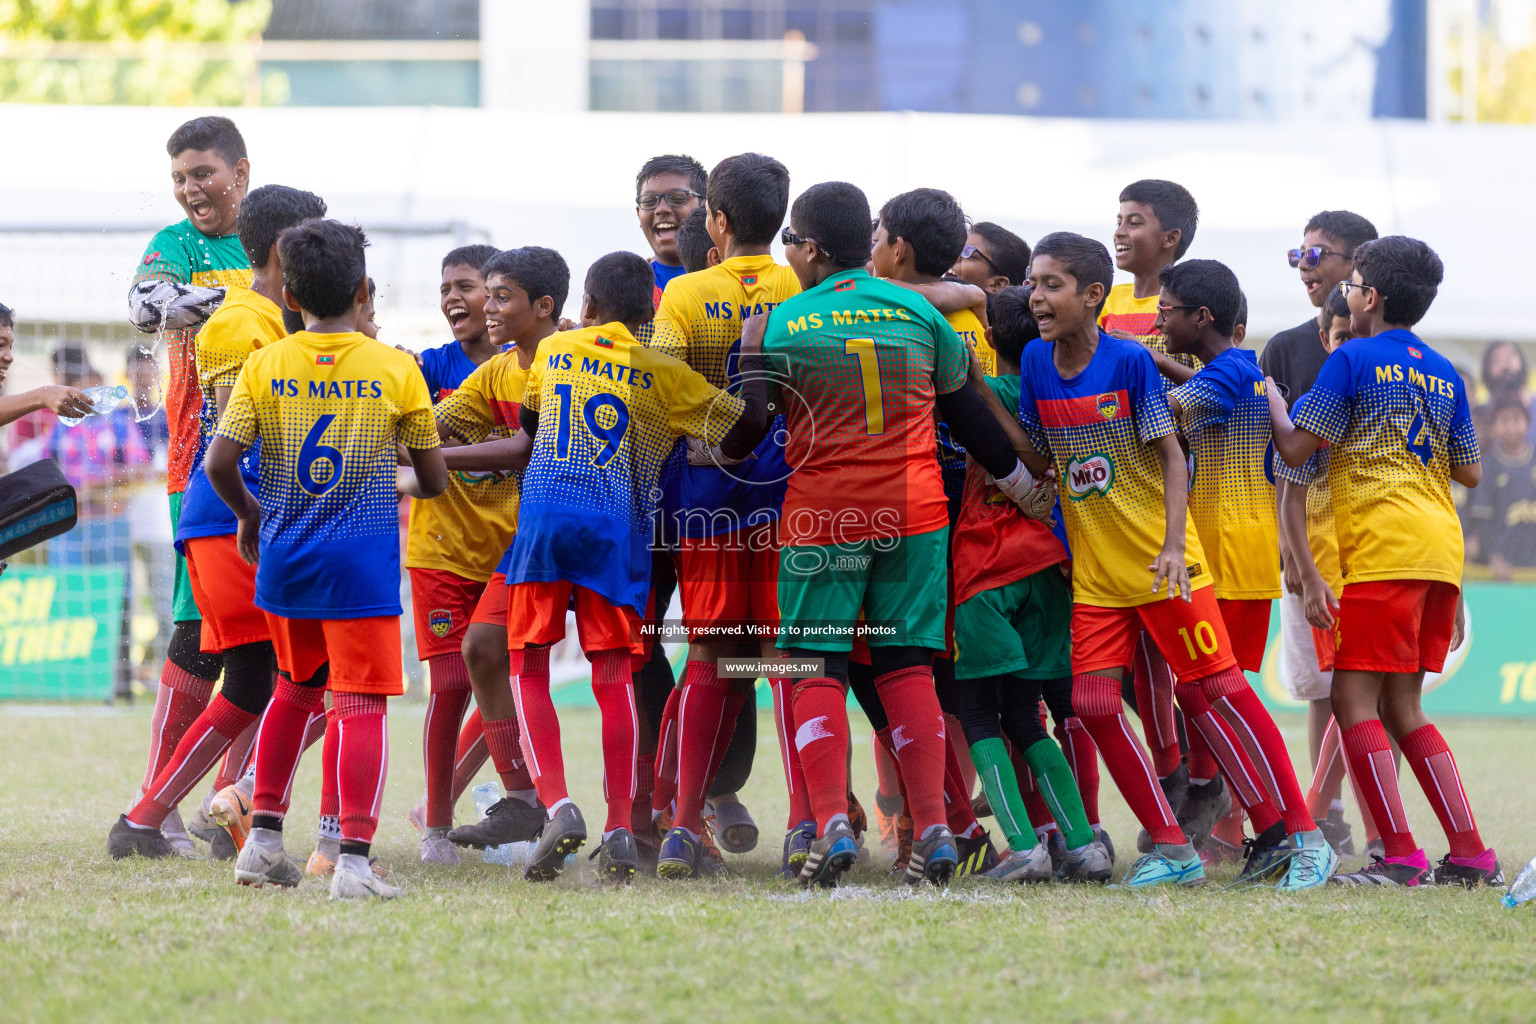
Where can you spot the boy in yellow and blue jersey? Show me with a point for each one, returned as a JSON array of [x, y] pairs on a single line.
[[1395, 415], [724, 520], [330, 406], [604, 413]]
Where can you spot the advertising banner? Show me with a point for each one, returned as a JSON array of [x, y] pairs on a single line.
[[59, 631]]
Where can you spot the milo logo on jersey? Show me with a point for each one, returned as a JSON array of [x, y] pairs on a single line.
[[1094, 473]]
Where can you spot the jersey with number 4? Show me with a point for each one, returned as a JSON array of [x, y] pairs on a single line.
[[1098, 427], [858, 362], [329, 409], [610, 411], [1396, 418]]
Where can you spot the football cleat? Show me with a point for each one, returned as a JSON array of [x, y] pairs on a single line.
[[126, 841], [934, 857], [1406, 872], [1033, 865], [436, 849], [231, 808], [680, 856], [347, 884], [1154, 869], [1338, 833], [797, 846], [1484, 869], [829, 856], [1313, 862], [562, 836], [260, 865], [618, 857], [977, 855], [508, 820], [1092, 863]]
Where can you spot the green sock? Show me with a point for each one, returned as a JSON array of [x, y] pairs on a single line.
[[1054, 777], [1002, 789]]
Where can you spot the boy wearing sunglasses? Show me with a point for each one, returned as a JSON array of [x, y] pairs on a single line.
[[992, 259]]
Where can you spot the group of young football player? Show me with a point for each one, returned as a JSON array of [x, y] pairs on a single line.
[[992, 493]]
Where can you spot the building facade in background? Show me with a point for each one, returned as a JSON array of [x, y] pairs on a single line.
[[1170, 59]]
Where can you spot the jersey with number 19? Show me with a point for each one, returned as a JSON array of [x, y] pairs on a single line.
[[329, 409], [610, 411]]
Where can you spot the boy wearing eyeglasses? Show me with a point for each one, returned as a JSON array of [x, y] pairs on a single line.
[[725, 519], [667, 189], [993, 258], [1399, 428], [1223, 410]]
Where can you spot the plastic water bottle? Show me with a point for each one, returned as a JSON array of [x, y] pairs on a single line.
[[510, 854], [1523, 889], [103, 398]]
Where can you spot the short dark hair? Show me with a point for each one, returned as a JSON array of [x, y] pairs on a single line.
[[215, 133], [323, 265], [623, 287], [269, 211], [1405, 272], [1509, 400], [469, 256], [536, 270], [1171, 204], [1013, 325], [71, 361], [836, 215], [1487, 368], [1085, 259], [1207, 283], [753, 191], [1241, 320], [693, 242], [932, 223], [137, 353], [1334, 306], [1010, 253], [7, 316], [1350, 230], [674, 163]]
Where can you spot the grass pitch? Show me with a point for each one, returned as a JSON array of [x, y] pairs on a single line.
[[84, 938]]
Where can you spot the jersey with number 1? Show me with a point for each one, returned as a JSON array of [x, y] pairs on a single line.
[[329, 409], [610, 411], [859, 363], [1395, 415]]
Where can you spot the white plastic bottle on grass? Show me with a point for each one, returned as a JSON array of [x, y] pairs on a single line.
[[486, 794], [103, 398], [1523, 888]]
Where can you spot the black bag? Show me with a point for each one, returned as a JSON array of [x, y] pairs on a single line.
[[36, 503]]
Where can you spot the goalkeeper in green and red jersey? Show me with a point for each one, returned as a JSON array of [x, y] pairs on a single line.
[[860, 365]]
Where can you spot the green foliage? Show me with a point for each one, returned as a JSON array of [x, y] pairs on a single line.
[[140, 52]]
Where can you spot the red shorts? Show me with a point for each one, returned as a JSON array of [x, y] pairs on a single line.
[[225, 589], [730, 578], [1395, 625], [443, 602], [1248, 629], [536, 618], [491, 609], [1190, 634], [1325, 642], [364, 653]]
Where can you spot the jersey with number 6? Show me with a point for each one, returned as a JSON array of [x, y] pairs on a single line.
[[859, 362], [610, 411], [1395, 415], [329, 409], [1098, 427]]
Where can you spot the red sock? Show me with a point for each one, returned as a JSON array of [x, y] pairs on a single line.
[[237, 757], [917, 732], [957, 797], [1367, 819], [1371, 766], [1236, 766], [1426, 752], [538, 725], [645, 779], [664, 790], [330, 791], [502, 740], [1083, 755], [889, 747], [700, 720], [446, 704], [181, 697], [1229, 829], [794, 774], [1230, 694], [470, 753], [821, 736], [1328, 776], [280, 743], [962, 752], [1096, 699], [1202, 761], [199, 749], [362, 762], [613, 686], [1153, 680]]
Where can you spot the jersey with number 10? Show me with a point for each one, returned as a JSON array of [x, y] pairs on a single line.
[[329, 409], [610, 411], [1098, 427], [1395, 415], [859, 362]]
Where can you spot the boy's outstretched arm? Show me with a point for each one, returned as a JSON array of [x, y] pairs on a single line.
[[66, 401], [1317, 597], [1294, 444], [1169, 564], [952, 296], [747, 431], [977, 429], [222, 464], [431, 472], [501, 454], [1469, 475], [1168, 367]]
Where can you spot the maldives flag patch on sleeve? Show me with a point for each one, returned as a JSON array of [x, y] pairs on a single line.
[[604, 342], [843, 286], [325, 360], [749, 280]]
